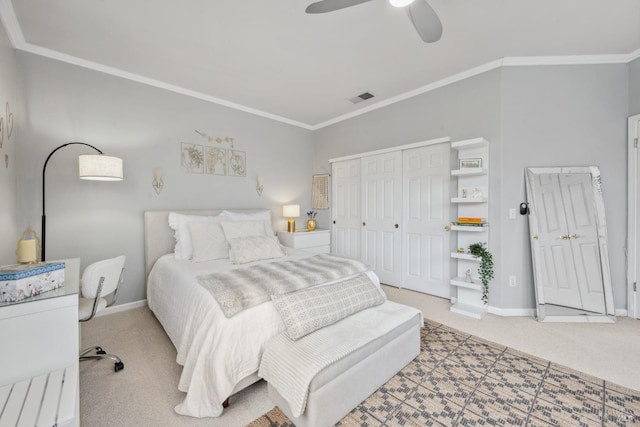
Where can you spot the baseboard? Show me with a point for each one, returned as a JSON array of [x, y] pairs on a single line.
[[512, 312], [622, 312], [506, 312], [122, 307]]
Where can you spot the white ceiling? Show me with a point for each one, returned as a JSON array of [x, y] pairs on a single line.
[[272, 59]]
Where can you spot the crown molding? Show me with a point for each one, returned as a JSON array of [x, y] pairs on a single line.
[[16, 37], [11, 25], [428, 88], [519, 61]]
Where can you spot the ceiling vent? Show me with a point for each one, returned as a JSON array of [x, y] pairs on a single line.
[[361, 97]]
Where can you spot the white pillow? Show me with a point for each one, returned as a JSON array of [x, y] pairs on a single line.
[[207, 241], [178, 222], [251, 216], [254, 248], [235, 230]]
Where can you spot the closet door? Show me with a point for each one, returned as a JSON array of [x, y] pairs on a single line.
[[426, 177], [381, 242], [345, 229]]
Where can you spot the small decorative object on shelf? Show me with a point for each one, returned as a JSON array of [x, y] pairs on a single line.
[[460, 250], [467, 276], [485, 269], [311, 222]]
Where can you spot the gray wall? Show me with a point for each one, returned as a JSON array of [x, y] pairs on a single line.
[[9, 233], [634, 87], [144, 126], [563, 116], [532, 116], [467, 109]]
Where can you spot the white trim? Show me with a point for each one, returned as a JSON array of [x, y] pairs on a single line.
[[633, 216], [11, 24], [16, 37], [621, 312], [122, 307], [512, 312], [392, 149], [518, 61]]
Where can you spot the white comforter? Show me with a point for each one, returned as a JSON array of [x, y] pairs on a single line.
[[216, 352]]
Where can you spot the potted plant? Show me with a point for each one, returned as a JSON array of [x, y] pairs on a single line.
[[311, 222], [485, 269]]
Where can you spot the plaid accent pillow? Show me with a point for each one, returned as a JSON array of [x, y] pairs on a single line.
[[310, 309]]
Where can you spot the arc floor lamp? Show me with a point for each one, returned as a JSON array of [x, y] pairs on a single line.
[[96, 167]]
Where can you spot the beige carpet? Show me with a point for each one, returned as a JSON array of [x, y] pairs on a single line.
[[462, 380], [145, 392]]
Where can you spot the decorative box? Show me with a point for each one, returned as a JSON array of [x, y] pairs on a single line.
[[22, 281]]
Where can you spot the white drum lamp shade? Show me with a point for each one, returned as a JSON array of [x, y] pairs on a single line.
[[291, 211], [98, 167]]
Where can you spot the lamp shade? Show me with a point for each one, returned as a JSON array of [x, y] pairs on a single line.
[[291, 211], [98, 167]]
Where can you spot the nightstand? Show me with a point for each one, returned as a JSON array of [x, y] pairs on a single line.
[[317, 241]]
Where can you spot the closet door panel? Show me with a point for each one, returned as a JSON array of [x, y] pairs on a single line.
[[345, 229], [382, 214], [426, 201]]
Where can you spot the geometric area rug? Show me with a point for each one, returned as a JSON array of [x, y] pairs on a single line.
[[461, 380]]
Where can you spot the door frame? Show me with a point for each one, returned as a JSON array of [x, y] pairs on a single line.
[[633, 263]]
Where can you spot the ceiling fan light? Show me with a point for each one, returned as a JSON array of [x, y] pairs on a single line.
[[400, 3]]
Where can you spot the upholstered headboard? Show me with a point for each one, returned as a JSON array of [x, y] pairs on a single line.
[[158, 236]]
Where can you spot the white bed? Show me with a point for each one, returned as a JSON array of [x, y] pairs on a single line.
[[220, 355]]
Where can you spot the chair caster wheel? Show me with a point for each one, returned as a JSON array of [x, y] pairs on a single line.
[[118, 366]]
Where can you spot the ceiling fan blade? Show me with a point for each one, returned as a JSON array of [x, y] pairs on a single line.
[[324, 6], [425, 20]]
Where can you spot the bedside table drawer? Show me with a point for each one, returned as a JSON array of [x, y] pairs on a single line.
[[305, 239]]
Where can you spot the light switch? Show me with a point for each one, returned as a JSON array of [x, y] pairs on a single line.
[[512, 213]]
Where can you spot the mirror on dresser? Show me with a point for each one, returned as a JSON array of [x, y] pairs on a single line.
[[569, 245]]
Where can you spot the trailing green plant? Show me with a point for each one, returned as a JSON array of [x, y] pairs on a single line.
[[485, 269]]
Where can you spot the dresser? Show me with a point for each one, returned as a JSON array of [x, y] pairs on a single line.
[[317, 241], [39, 357]]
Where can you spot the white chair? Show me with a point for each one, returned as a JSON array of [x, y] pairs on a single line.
[[99, 285]]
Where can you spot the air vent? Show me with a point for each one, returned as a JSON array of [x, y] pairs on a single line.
[[361, 97]]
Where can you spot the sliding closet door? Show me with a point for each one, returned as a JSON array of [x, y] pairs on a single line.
[[426, 176], [381, 242], [345, 229]]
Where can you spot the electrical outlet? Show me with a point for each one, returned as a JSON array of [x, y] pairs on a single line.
[[512, 281]]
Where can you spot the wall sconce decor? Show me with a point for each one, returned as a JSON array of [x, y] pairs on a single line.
[[291, 212], [94, 167], [157, 182], [259, 186]]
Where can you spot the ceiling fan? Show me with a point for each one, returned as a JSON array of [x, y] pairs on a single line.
[[421, 14]]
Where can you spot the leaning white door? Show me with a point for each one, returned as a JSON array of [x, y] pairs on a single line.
[[556, 269], [426, 176], [579, 205], [381, 245], [345, 228]]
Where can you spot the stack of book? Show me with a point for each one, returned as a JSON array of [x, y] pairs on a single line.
[[471, 221]]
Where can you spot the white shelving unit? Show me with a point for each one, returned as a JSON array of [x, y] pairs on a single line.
[[472, 200]]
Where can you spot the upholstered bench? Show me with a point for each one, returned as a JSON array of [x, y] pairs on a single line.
[[387, 338]]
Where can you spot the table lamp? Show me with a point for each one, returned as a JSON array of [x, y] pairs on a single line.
[[291, 212]]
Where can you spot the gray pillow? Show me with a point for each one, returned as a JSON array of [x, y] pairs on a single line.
[[310, 309]]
